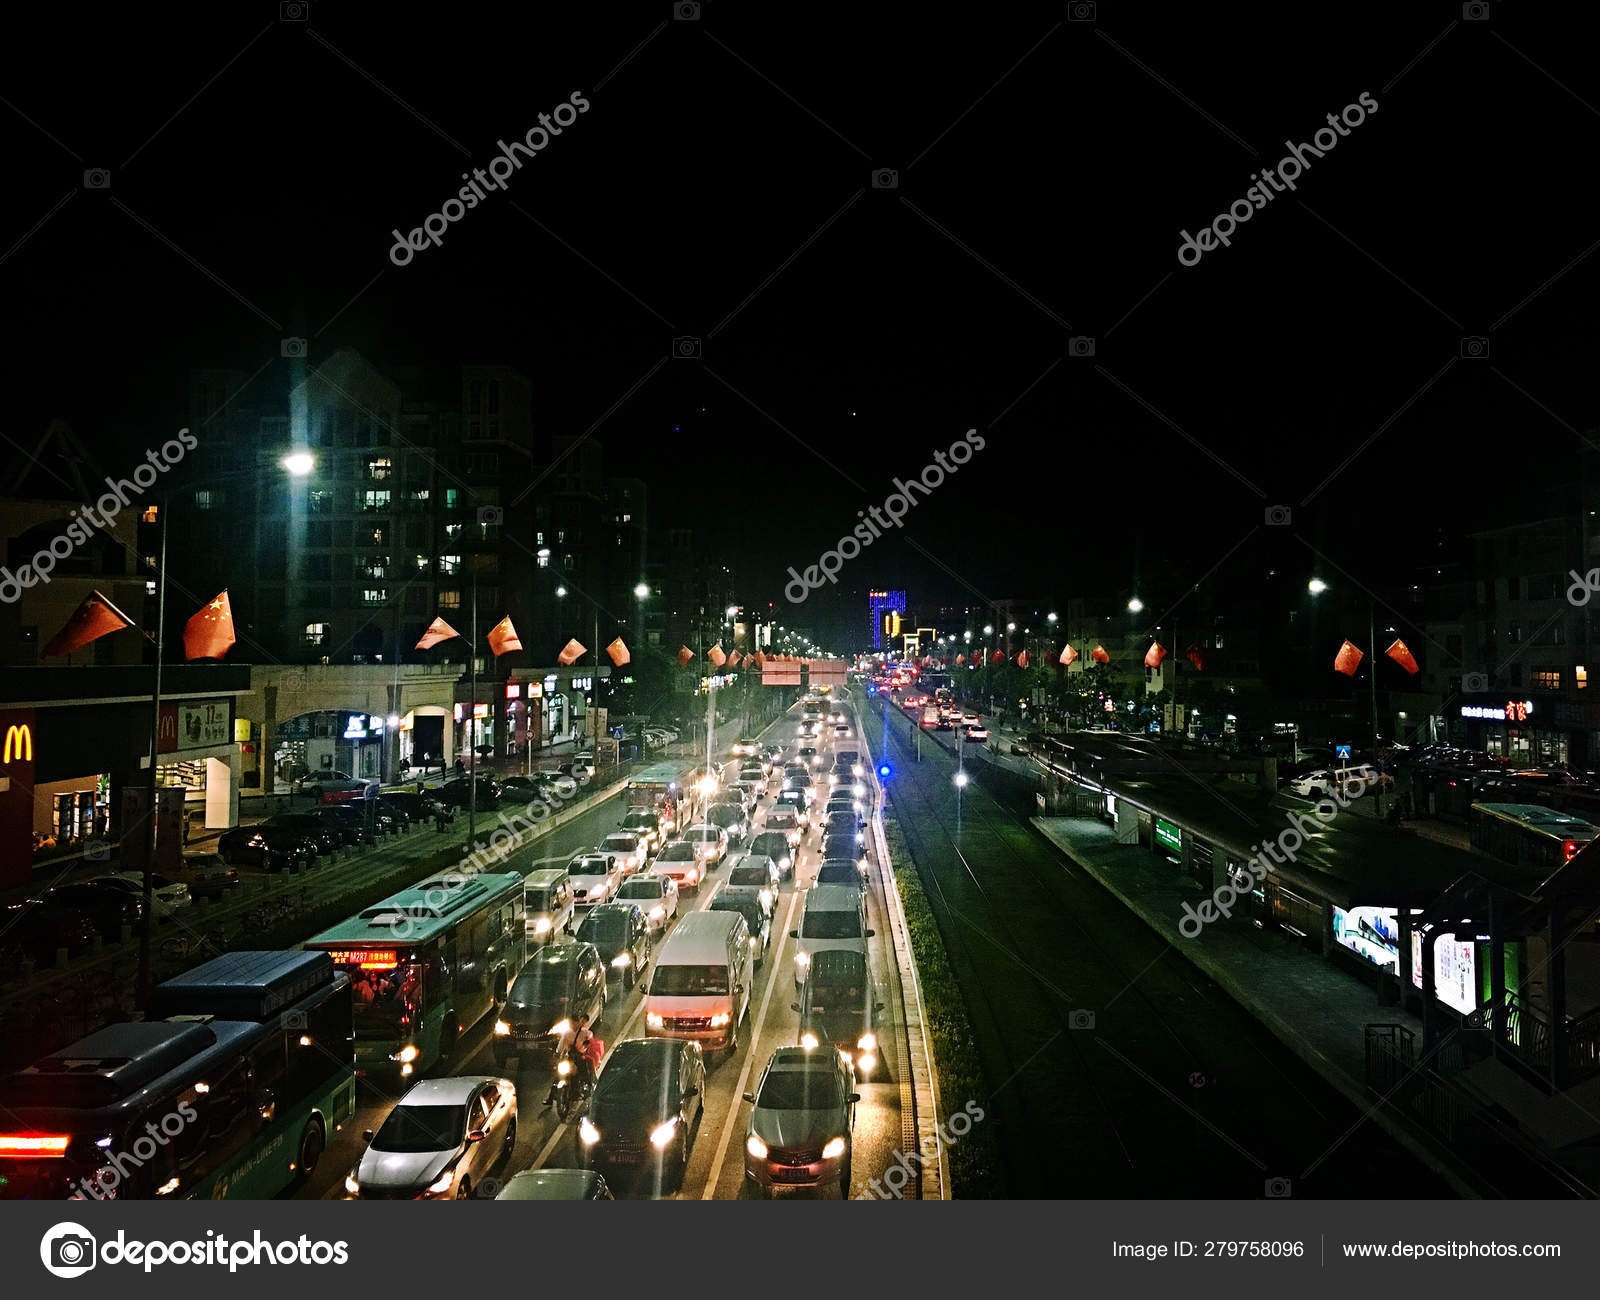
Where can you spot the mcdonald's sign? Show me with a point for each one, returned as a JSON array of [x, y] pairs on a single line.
[[19, 743]]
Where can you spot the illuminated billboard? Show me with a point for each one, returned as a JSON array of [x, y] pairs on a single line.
[[1455, 971], [1371, 932]]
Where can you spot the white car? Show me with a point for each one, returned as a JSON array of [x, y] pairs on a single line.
[[655, 895], [710, 843], [783, 819], [630, 850], [745, 747], [582, 768], [595, 877], [443, 1140], [169, 894]]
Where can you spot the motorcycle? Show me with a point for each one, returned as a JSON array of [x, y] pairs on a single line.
[[573, 1086]]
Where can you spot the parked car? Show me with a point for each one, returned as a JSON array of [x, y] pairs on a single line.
[[656, 896], [206, 874], [453, 794], [801, 1118], [323, 835], [267, 845], [560, 981], [620, 933], [646, 1109], [443, 1139], [107, 904], [347, 821], [415, 808], [38, 930], [169, 896]]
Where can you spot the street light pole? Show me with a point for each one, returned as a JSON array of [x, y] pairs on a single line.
[[1372, 674], [472, 720], [146, 974]]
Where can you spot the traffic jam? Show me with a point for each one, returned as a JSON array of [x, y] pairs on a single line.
[[708, 1008]]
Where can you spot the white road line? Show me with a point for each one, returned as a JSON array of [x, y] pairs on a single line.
[[778, 977]]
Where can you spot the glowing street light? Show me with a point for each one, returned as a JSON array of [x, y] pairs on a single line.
[[1316, 586], [299, 463], [1135, 605], [642, 590], [561, 591], [1050, 617]]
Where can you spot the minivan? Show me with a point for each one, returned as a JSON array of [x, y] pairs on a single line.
[[835, 917], [700, 988], [548, 898]]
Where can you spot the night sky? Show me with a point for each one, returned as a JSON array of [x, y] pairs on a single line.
[[720, 186]]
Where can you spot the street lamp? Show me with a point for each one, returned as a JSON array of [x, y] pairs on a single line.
[[1051, 618], [961, 784], [1135, 605], [299, 463], [1316, 587]]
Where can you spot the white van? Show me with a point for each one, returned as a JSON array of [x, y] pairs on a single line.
[[835, 916], [547, 897], [700, 987]]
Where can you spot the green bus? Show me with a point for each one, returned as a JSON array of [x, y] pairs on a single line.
[[231, 1089], [426, 965]]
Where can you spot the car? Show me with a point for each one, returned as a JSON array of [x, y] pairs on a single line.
[[560, 982], [347, 821], [752, 788], [835, 916], [851, 844], [837, 716], [772, 755], [414, 807], [808, 729], [325, 835], [620, 933], [843, 822], [453, 794], [836, 1007], [441, 1140], [971, 720], [798, 797], [710, 842], [630, 850], [801, 1116], [336, 787], [850, 758], [774, 845], [555, 1185], [976, 735], [645, 824], [206, 874], [756, 876], [38, 930], [682, 863], [1350, 780], [795, 771], [843, 801], [841, 871], [168, 895], [757, 920], [810, 756], [111, 907], [930, 718], [267, 845], [841, 731], [746, 746], [656, 896], [732, 817], [646, 1109], [783, 819], [595, 877]]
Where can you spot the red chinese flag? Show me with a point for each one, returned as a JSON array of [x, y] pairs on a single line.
[[1347, 660], [998, 657], [89, 622], [1154, 655], [619, 653], [1403, 656], [960, 659], [1195, 655], [760, 659], [684, 655], [503, 638], [716, 656], [1068, 655], [1100, 655], [734, 659], [571, 651], [438, 631], [1022, 659], [209, 634]]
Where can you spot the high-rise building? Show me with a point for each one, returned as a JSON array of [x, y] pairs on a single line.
[[886, 611]]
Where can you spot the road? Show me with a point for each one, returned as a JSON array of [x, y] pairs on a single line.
[[1116, 1069], [716, 1165]]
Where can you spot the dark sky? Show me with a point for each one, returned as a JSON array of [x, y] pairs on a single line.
[[720, 187]]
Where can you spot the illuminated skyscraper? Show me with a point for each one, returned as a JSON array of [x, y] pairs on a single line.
[[885, 611]]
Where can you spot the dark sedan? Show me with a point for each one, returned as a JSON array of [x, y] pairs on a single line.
[[453, 794], [646, 1109], [268, 845], [38, 929], [561, 981], [108, 905], [621, 935]]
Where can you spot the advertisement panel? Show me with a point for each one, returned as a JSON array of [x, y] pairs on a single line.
[[1455, 971], [1371, 932]]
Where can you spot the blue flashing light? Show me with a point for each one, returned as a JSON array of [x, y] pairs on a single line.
[[885, 772]]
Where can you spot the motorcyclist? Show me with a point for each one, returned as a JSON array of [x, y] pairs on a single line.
[[576, 1044]]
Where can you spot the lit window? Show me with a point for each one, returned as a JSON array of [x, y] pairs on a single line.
[[377, 536], [315, 632], [207, 499], [376, 499], [1546, 680], [373, 595], [150, 514], [453, 531], [1582, 675], [420, 494], [422, 564], [449, 564], [379, 467], [449, 600], [321, 499]]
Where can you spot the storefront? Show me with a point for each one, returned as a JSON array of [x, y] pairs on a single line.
[[1519, 732]]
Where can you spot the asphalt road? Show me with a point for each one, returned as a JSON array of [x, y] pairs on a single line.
[[1115, 1068], [716, 1164]]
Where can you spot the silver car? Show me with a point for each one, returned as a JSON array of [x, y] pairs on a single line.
[[656, 896], [441, 1141]]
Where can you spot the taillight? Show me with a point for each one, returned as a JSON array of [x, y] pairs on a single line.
[[1571, 847], [33, 1144]]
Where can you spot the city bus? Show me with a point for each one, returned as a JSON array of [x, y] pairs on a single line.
[[426, 965], [1528, 835], [232, 1088], [662, 788]]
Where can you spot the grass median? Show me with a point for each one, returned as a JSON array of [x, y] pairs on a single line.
[[974, 1160]]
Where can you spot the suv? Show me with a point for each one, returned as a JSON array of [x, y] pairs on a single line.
[[680, 862], [1352, 780], [560, 981], [801, 1115], [646, 825], [836, 1007], [621, 935]]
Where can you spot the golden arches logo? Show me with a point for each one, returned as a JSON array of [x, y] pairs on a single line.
[[19, 743]]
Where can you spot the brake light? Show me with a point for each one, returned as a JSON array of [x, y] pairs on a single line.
[[1571, 847], [33, 1144]]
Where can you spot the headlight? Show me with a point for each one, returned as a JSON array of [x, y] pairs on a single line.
[[808, 1040], [756, 1147], [868, 1063], [443, 1182], [542, 925], [664, 1134], [766, 898], [351, 1185], [561, 1027], [405, 1055], [856, 770], [657, 912], [867, 1042], [834, 1149], [622, 959], [588, 1132], [563, 1067], [501, 1028], [720, 1019], [405, 1070], [785, 862], [802, 959], [653, 1021]]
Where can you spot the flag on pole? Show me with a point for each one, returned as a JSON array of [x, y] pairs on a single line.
[[1154, 655], [684, 655], [92, 620], [761, 659], [1022, 659], [1347, 660], [1195, 655], [209, 634], [438, 631], [1068, 655], [619, 653], [998, 657], [716, 656], [735, 659], [1403, 656], [503, 638], [570, 652], [1100, 655], [960, 659]]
